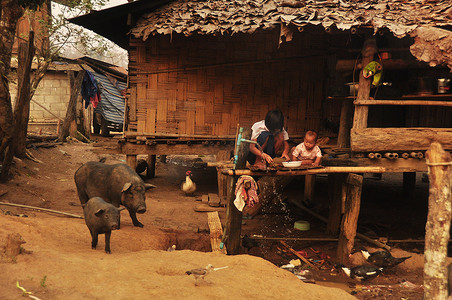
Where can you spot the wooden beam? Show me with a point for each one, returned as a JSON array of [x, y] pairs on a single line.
[[131, 161], [150, 170], [133, 134], [335, 195], [398, 139], [309, 188], [324, 170], [368, 52], [438, 223], [222, 179], [180, 149], [345, 123], [350, 218], [231, 236], [403, 102]]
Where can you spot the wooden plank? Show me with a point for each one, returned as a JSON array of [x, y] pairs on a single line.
[[150, 120], [141, 125], [403, 102], [205, 199], [398, 139], [350, 218], [216, 232], [214, 200], [324, 170], [180, 149]]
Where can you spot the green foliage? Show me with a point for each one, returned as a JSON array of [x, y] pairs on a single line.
[[31, 4], [43, 281]]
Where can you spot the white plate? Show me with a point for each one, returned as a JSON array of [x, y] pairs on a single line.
[[291, 164]]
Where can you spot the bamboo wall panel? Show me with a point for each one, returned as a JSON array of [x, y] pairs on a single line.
[[207, 85]]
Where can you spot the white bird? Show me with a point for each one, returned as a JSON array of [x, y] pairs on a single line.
[[200, 273], [188, 186]]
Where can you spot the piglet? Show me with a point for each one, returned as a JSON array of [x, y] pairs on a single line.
[[101, 217]]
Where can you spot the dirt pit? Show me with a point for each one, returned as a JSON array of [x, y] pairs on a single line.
[[57, 262]]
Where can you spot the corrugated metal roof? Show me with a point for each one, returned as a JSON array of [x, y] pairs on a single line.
[[233, 16]]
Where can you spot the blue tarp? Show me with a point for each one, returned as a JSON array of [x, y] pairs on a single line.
[[111, 105]]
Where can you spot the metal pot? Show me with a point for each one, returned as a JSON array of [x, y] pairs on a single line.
[[443, 86]]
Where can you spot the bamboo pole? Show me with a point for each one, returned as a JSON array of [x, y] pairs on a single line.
[[324, 170], [42, 209], [403, 102], [438, 222]]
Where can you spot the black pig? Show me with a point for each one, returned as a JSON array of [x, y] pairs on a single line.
[[116, 184], [101, 217]]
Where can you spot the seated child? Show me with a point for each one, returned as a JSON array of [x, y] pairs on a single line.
[[308, 152], [271, 136]]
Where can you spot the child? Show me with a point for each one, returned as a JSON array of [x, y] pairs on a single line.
[[308, 152], [272, 138]]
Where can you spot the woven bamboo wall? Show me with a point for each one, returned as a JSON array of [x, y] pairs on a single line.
[[206, 85]]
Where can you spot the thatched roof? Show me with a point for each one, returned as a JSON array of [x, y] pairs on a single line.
[[233, 16]]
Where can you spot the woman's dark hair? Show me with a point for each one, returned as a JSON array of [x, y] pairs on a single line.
[[274, 120]]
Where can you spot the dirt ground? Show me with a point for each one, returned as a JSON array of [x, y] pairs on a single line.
[[58, 262]]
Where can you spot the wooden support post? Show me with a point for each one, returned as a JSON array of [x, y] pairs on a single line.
[[222, 179], [350, 218], [409, 185], [309, 188], [233, 227], [345, 123], [335, 198], [150, 171], [361, 111], [438, 222], [131, 161]]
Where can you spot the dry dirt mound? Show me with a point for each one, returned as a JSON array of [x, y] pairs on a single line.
[[61, 265]]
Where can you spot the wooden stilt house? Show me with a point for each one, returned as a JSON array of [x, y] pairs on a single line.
[[197, 69]]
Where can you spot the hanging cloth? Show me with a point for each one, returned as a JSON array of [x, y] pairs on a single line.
[[89, 90], [246, 192]]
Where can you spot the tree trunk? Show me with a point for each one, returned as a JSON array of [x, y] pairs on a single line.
[[10, 12], [22, 105], [71, 108], [438, 222]]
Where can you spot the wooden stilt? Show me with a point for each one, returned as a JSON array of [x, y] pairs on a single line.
[[361, 111], [438, 222], [409, 184], [233, 227], [309, 188], [350, 218], [221, 178], [131, 161], [343, 137], [335, 195], [150, 171]]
